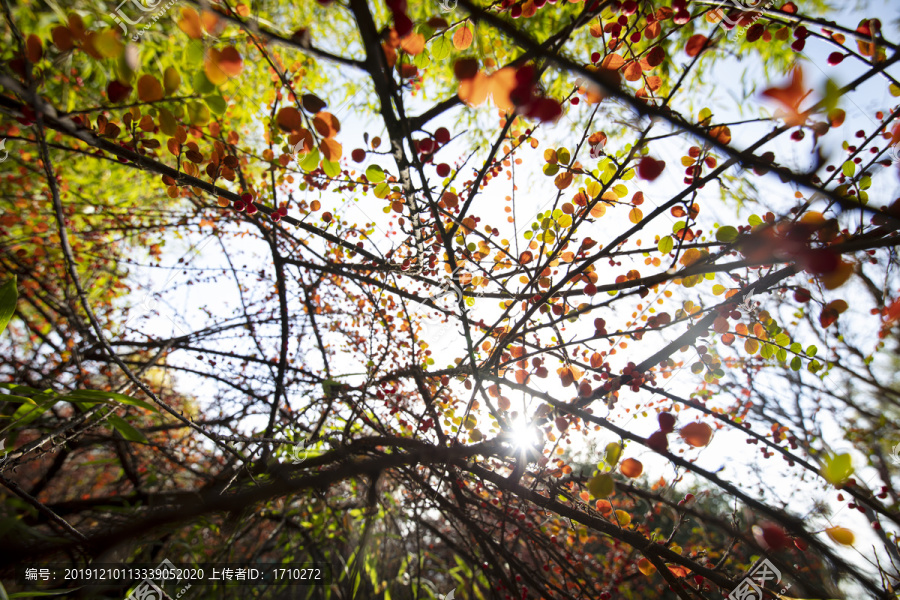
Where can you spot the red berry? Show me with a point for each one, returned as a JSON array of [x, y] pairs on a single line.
[[426, 146], [358, 155], [442, 135], [835, 58], [443, 169], [771, 536]]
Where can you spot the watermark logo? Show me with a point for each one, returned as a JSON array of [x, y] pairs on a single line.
[[751, 588], [893, 153], [147, 590], [294, 452], [3, 150], [895, 455], [448, 288], [448, 5], [727, 6], [144, 6]]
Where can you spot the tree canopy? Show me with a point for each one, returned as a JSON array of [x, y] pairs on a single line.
[[521, 299]]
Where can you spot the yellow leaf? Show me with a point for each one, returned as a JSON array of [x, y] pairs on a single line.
[[623, 517], [837, 469], [635, 215], [646, 567], [841, 535]]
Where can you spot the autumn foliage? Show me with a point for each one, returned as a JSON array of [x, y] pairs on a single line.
[[524, 299]]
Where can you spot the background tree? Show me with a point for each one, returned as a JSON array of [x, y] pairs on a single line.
[[422, 293]]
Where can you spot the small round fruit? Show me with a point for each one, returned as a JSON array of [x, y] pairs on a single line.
[[358, 155], [442, 135], [443, 169]]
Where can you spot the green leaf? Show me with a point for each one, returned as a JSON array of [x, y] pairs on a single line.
[[201, 84], [602, 485], [837, 469], [726, 234], [666, 244], [8, 297], [613, 452], [796, 363], [332, 169], [198, 113], [101, 396], [849, 168], [382, 190], [811, 351], [128, 432], [31, 410], [441, 48], [375, 174], [551, 169], [14, 399], [754, 220], [311, 161], [216, 104]]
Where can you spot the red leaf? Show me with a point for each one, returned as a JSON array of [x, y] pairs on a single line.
[[695, 44]]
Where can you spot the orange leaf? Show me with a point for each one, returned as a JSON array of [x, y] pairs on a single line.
[[330, 149], [790, 97], [289, 119], [149, 89], [612, 61], [631, 467], [598, 210], [501, 83], [230, 62], [190, 23], [563, 180], [413, 43], [211, 22], [696, 434], [633, 71], [695, 44], [721, 133], [326, 124], [473, 91], [462, 39]]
